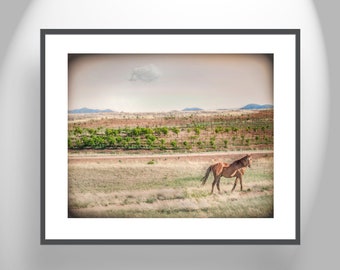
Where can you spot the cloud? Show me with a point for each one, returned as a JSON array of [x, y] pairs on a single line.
[[148, 73]]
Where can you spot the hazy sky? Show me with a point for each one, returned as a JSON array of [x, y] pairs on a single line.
[[165, 82]]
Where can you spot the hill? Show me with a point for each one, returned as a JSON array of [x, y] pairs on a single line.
[[192, 109], [87, 110], [257, 107]]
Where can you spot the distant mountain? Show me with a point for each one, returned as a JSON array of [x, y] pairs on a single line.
[[257, 107], [87, 110], [192, 109]]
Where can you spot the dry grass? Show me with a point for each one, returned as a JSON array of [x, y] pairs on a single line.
[[118, 188]]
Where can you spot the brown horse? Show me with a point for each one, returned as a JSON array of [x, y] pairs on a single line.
[[235, 169]]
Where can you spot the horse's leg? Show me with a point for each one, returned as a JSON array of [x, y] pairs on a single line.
[[213, 184], [241, 182], [218, 184], [234, 184], [215, 180]]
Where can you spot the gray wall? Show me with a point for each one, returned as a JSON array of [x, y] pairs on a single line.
[[319, 243]]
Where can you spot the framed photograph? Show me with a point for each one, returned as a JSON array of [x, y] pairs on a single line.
[[167, 136]]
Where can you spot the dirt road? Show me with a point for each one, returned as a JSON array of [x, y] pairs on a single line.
[[74, 157]]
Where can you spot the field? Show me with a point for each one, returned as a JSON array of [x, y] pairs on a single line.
[[173, 132], [156, 178]]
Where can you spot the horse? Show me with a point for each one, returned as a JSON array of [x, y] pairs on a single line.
[[235, 169]]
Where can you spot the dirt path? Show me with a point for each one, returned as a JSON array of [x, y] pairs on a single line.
[[175, 156]]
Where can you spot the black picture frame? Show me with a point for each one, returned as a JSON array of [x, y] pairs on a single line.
[[48, 32]]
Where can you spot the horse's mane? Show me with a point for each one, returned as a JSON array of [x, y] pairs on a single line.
[[240, 161]]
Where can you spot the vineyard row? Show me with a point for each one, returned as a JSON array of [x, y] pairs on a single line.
[[204, 137]]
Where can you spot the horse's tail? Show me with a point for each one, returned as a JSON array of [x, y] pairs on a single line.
[[204, 179]]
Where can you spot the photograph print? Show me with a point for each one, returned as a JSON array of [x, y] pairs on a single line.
[[170, 136]]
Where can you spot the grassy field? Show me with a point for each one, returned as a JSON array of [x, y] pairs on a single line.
[[166, 186]]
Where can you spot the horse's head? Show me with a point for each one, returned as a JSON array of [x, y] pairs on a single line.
[[249, 160], [245, 161]]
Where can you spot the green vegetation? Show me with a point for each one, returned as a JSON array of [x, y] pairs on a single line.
[[246, 132], [151, 162]]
